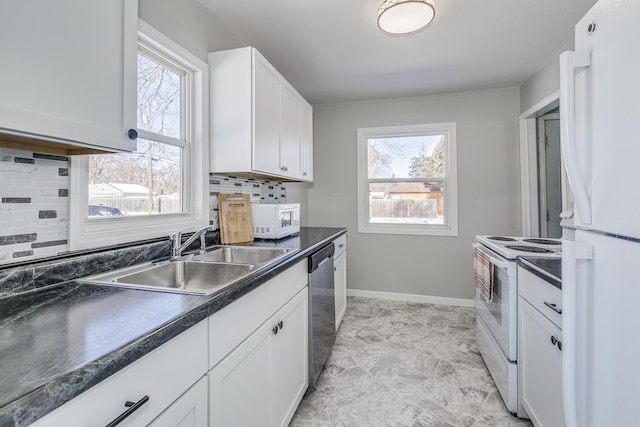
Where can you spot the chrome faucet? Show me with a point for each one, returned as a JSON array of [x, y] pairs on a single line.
[[176, 239]]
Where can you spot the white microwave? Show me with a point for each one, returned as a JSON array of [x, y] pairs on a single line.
[[275, 221]]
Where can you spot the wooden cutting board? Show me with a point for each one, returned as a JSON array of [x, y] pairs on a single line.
[[236, 225]]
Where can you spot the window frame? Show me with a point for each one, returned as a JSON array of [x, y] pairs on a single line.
[[450, 228], [85, 233]]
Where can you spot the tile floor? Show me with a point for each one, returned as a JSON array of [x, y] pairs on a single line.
[[405, 364]]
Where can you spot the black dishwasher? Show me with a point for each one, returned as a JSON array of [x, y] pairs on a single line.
[[322, 310]]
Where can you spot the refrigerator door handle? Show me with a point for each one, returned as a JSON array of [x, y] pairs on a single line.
[[570, 62], [571, 252]]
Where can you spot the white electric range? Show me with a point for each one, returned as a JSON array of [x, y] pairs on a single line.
[[497, 320]]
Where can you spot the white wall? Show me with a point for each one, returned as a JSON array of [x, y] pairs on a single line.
[[189, 24], [488, 185]]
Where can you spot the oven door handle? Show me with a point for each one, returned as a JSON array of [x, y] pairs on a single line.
[[495, 261]]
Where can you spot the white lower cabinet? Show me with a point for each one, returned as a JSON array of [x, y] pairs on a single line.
[[262, 381], [190, 410], [246, 365], [340, 277], [289, 358], [539, 351], [162, 376]]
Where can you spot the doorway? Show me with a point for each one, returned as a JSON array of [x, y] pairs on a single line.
[[549, 174]]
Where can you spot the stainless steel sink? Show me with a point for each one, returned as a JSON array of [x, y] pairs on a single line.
[[242, 254], [204, 274], [204, 278]]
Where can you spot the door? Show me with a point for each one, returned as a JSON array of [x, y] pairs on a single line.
[[289, 358], [499, 315], [266, 116], [290, 133], [540, 367], [306, 141], [602, 160], [549, 175], [73, 70], [607, 291], [190, 410], [241, 381]]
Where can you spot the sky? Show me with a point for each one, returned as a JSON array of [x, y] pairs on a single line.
[[404, 148]]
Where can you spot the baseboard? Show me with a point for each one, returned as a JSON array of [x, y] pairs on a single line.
[[461, 302]]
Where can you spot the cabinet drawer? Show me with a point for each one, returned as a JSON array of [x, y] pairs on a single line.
[[235, 322], [541, 294], [162, 375], [340, 244]]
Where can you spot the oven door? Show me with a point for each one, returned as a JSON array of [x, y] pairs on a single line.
[[500, 314]]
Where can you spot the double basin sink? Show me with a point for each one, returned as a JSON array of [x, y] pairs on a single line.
[[205, 273]]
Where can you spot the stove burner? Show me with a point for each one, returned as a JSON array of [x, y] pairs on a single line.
[[529, 249], [542, 241], [501, 239]]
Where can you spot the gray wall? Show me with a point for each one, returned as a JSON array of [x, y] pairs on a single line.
[[543, 83], [488, 188]]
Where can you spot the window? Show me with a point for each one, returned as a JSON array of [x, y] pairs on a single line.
[[161, 187], [407, 180]]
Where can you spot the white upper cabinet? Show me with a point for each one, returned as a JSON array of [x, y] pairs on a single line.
[[260, 125], [69, 72]]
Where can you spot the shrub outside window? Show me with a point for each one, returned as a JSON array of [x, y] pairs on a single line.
[[407, 180]]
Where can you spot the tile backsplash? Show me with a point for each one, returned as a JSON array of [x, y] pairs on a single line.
[[34, 202], [259, 191], [34, 205]]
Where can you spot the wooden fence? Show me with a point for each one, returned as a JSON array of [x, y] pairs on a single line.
[[402, 208], [139, 205]]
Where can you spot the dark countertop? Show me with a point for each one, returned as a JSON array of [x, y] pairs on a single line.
[[59, 341], [549, 269]]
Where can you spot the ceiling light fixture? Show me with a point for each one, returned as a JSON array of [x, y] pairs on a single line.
[[405, 16]]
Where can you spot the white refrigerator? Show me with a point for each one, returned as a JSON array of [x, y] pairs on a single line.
[[600, 128]]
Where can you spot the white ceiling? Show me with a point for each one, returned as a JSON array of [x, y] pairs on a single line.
[[332, 50]]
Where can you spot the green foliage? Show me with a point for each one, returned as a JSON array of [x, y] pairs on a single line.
[[423, 166]]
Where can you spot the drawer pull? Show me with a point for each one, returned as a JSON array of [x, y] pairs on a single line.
[[281, 324], [133, 406], [553, 307]]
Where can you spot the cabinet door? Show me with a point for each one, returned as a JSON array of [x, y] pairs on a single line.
[[540, 365], [240, 384], [290, 133], [340, 283], [289, 358], [266, 116], [306, 141], [72, 70], [190, 410]]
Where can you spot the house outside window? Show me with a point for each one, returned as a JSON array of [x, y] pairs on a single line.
[[407, 180], [161, 187]]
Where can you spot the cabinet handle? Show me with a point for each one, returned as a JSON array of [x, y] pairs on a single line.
[[553, 307], [132, 134], [275, 330], [133, 406], [341, 245], [556, 341], [304, 174], [281, 324]]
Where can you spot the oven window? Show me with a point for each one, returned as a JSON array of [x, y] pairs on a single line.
[[496, 305]]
